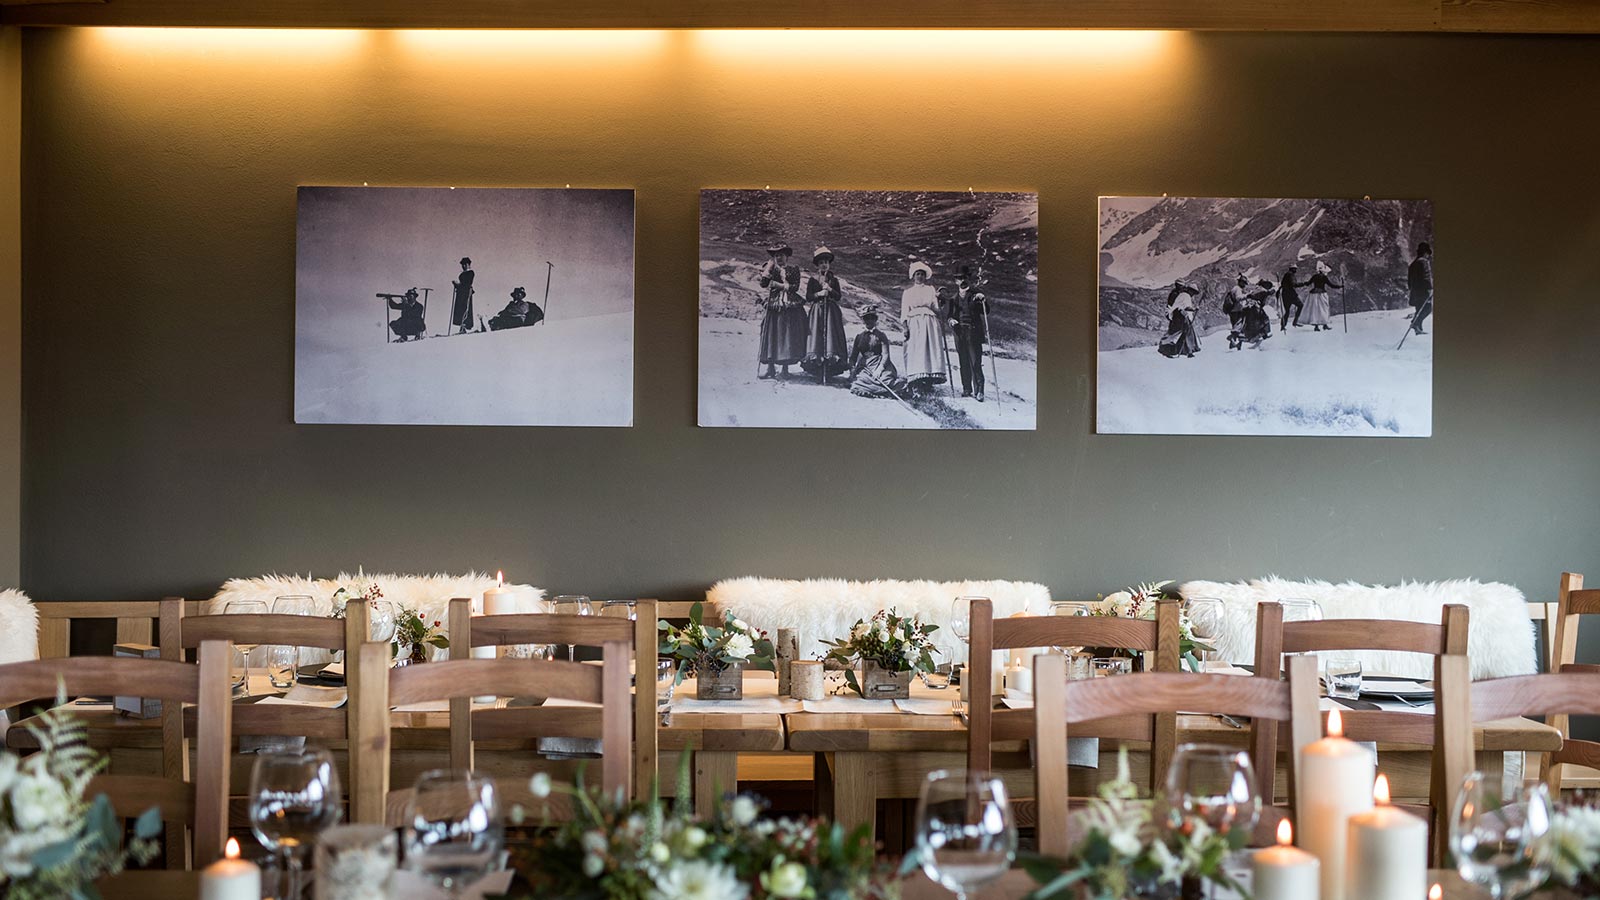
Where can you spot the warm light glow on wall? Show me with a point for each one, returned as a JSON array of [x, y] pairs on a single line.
[[287, 43], [513, 45], [804, 47]]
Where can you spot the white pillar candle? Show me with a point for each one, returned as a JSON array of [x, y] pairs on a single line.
[[1020, 677], [1336, 783], [505, 599], [1388, 855], [1284, 872], [480, 607], [231, 878]]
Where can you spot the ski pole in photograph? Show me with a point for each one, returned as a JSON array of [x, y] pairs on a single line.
[[550, 268], [388, 319], [425, 293], [1344, 300]]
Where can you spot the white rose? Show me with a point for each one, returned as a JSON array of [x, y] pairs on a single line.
[[659, 853], [787, 879], [1119, 600], [744, 810], [694, 837], [539, 785], [739, 646], [910, 653], [699, 880], [732, 623], [38, 800]]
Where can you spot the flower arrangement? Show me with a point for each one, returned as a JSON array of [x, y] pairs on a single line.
[[1574, 849], [1128, 849], [707, 648], [1139, 602], [349, 592], [892, 642], [411, 630], [611, 851], [54, 842]]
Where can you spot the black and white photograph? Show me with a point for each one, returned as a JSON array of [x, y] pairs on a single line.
[[1265, 317], [868, 309], [470, 306]]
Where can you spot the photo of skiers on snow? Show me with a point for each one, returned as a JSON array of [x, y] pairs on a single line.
[[418, 306], [828, 336], [1303, 309]]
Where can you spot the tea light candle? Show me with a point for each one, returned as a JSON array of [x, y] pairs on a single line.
[[1284, 872], [1388, 855], [806, 679], [1336, 783], [231, 878]]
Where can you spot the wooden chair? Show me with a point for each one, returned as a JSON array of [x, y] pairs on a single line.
[[987, 724], [200, 803], [181, 632], [606, 684], [1133, 702], [1574, 601], [1275, 637], [469, 631], [134, 621]]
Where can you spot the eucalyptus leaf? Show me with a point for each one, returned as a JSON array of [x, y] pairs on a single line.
[[148, 825]]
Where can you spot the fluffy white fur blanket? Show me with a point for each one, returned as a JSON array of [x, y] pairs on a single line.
[[428, 594], [19, 628], [825, 608], [1500, 639]]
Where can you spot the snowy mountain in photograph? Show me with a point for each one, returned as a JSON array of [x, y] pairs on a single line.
[[1360, 365]]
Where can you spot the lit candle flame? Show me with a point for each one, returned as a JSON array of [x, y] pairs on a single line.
[[1436, 892], [499, 579], [232, 852], [1335, 724], [1285, 833], [1380, 789]]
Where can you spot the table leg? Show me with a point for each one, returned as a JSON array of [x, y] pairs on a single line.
[[822, 784], [855, 802], [716, 773]]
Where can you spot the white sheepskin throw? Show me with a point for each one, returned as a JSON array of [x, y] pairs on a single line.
[[825, 608], [1500, 639], [19, 628]]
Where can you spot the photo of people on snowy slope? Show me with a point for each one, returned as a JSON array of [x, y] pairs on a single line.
[[1253, 316], [868, 309], [477, 306]]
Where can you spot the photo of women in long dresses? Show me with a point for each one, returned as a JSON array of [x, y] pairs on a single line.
[[826, 352], [1176, 272], [950, 278], [927, 351]]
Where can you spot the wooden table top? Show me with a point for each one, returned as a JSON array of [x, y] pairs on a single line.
[[893, 732]]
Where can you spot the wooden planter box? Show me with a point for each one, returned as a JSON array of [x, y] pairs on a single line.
[[727, 684], [882, 684]]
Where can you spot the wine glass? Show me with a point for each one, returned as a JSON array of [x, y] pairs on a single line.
[[294, 796], [622, 609], [1301, 610], [1071, 609], [1214, 784], [574, 605], [245, 608], [966, 837], [1205, 617], [381, 617], [293, 605], [453, 831], [1498, 837]]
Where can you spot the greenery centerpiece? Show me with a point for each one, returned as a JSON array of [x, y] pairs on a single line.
[[890, 649], [54, 841], [1130, 849], [1139, 602], [1574, 849], [648, 849], [349, 592], [414, 632], [716, 655]]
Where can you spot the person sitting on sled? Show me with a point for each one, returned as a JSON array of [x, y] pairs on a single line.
[[1233, 305], [871, 372], [410, 325], [518, 313]]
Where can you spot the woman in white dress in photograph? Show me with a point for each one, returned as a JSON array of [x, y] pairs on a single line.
[[927, 363], [1317, 310]]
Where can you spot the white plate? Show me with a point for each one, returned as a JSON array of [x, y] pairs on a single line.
[[1409, 690]]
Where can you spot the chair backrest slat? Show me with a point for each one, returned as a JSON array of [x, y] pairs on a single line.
[[1572, 601], [548, 628], [1074, 631], [505, 677], [156, 679], [1571, 693], [264, 628], [1359, 634], [1060, 703]]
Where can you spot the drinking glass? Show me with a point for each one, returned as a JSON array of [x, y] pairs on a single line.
[[1301, 610], [574, 605], [239, 671], [453, 831], [1072, 608], [666, 685], [381, 618], [1205, 617], [1343, 677], [628, 609], [1499, 837], [965, 834], [247, 608], [294, 797], [1214, 784], [1102, 666], [294, 605], [283, 663]]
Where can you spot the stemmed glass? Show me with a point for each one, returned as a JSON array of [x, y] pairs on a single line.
[[966, 837], [381, 619], [453, 831], [245, 608], [294, 796], [1299, 610], [1498, 838], [1214, 784], [574, 605], [1073, 609], [961, 627]]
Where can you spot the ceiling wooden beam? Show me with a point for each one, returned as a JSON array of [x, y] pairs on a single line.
[[1503, 16]]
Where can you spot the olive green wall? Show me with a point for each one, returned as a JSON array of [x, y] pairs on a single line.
[[10, 306], [159, 248]]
